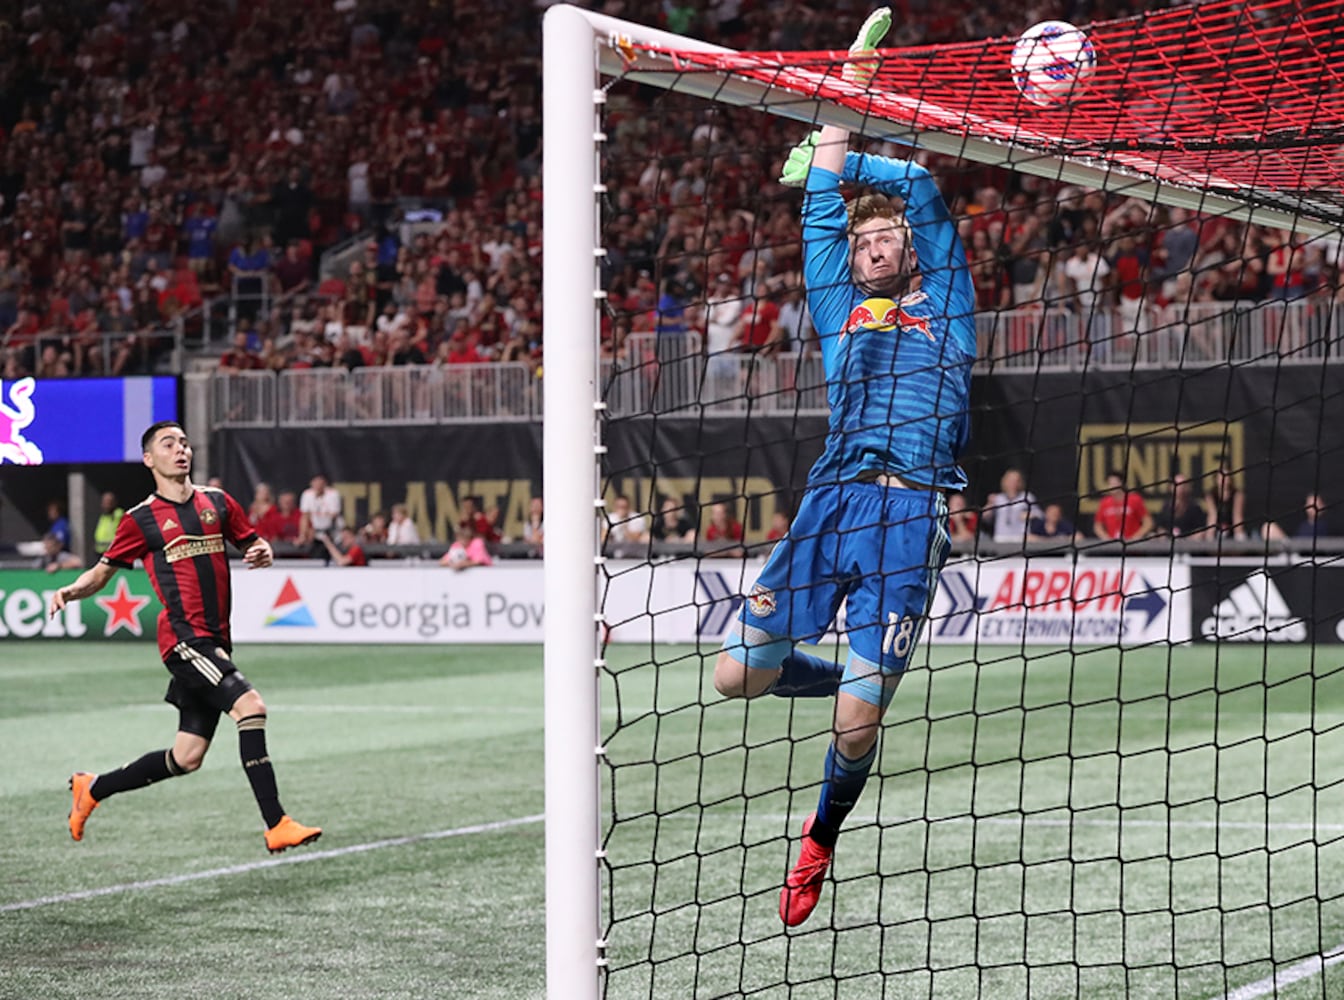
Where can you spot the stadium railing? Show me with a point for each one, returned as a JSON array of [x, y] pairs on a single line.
[[416, 394], [671, 374], [1191, 335]]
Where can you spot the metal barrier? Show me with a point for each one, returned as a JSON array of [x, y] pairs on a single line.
[[670, 374], [1193, 335], [422, 394]]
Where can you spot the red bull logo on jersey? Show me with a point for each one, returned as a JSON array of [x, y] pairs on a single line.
[[15, 415], [881, 315]]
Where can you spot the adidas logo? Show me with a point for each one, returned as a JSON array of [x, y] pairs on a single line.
[[169, 524], [1254, 611]]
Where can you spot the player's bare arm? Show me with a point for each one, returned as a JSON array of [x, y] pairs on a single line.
[[91, 581]]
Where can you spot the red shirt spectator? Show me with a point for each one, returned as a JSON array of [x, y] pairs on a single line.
[[238, 358], [1121, 514], [281, 522], [760, 322]]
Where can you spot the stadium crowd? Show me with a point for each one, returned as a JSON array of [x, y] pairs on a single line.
[[155, 153]]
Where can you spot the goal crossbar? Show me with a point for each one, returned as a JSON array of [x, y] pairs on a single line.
[[815, 97]]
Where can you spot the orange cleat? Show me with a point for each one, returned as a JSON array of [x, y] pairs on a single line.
[[82, 803], [802, 888], [288, 833]]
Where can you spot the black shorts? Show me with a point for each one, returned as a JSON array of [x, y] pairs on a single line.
[[205, 683]]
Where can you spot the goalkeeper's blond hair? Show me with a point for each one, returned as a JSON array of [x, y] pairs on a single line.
[[876, 206]]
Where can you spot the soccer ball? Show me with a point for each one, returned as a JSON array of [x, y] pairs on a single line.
[[1052, 61]]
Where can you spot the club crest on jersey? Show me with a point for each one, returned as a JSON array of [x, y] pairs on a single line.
[[208, 516], [761, 601], [880, 315]]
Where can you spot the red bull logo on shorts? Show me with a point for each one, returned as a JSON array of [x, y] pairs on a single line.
[[761, 600], [15, 415]]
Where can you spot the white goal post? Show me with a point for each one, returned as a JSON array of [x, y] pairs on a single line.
[[579, 48]]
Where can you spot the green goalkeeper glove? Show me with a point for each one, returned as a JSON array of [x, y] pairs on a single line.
[[869, 37], [795, 170]]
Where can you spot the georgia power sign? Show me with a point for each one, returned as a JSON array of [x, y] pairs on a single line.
[[426, 604]]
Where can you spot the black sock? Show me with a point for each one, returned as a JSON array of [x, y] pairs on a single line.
[[153, 766], [257, 767]]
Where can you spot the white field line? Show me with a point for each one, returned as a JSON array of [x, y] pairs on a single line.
[[252, 866], [1305, 969]]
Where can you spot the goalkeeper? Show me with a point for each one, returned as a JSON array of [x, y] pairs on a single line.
[[892, 301]]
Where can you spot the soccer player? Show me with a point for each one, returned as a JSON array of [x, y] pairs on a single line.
[[179, 532], [872, 526]]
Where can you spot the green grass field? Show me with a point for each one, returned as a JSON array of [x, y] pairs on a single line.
[[1158, 824]]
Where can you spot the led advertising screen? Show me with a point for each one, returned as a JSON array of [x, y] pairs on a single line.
[[77, 420]]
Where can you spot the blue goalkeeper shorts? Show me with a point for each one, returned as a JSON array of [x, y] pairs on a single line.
[[878, 549]]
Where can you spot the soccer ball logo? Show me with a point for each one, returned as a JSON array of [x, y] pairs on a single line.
[[1052, 61]]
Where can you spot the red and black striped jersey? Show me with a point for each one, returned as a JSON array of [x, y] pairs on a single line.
[[182, 546]]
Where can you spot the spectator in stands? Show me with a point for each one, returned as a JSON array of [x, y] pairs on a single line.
[[346, 552], [320, 509], [1225, 506], [723, 536], [1087, 273], [1121, 514], [1130, 266], [1051, 526], [723, 314], [1008, 512], [1286, 267], [962, 521], [534, 528], [375, 531], [198, 233], [263, 502], [625, 529], [672, 524], [1182, 513], [468, 549], [240, 357], [779, 526], [401, 530], [109, 516], [57, 523], [250, 268], [480, 522], [56, 556], [292, 270], [1314, 523], [285, 521]]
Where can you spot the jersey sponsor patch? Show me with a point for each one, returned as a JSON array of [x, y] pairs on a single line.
[[761, 601], [880, 315], [189, 546]]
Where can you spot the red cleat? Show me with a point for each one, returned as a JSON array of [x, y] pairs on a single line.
[[802, 888]]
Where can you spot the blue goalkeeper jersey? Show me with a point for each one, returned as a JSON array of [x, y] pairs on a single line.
[[898, 373]]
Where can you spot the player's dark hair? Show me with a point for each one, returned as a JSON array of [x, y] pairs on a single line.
[[148, 437]]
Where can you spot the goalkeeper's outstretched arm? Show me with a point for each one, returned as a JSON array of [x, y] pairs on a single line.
[[826, 148]]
